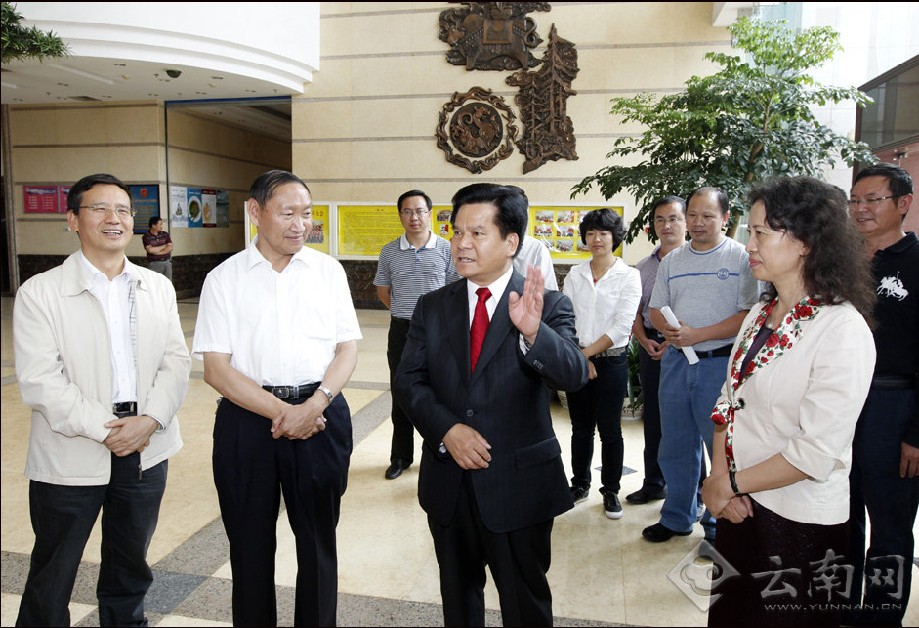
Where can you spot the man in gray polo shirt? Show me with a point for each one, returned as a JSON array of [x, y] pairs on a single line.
[[413, 264], [708, 284]]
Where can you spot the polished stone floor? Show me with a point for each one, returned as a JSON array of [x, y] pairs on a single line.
[[603, 573]]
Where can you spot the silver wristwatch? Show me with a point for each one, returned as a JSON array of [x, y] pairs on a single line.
[[327, 392]]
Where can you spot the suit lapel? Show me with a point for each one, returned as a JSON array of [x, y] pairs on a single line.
[[456, 317], [499, 327]]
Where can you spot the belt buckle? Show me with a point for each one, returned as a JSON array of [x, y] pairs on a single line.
[[281, 392]]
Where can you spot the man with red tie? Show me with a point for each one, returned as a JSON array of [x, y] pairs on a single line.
[[481, 356]]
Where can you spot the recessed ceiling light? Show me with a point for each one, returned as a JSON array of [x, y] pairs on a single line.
[[217, 78]]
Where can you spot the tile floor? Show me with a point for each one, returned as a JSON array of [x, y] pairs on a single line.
[[603, 573]]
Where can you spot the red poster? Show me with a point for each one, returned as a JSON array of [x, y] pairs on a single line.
[[42, 199]]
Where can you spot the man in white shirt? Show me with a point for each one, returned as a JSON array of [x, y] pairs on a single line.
[[278, 335], [102, 361]]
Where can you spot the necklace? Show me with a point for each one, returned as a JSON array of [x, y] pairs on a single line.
[[598, 275]]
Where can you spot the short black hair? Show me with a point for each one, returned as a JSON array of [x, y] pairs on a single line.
[[603, 219], [898, 179], [511, 202], [265, 185], [75, 195], [679, 200], [411, 193], [722, 197], [153, 220]]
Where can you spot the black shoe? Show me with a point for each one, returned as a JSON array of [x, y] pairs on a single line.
[[658, 533], [396, 469], [579, 493], [647, 494], [612, 506]]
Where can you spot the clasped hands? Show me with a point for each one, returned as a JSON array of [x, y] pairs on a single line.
[[301, 421], [721, 501], [129, 434]]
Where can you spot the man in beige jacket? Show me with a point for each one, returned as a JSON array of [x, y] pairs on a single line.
[[102, 361]]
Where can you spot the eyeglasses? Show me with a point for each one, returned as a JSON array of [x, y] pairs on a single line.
[[870, 203], [122, 211], [670, 221], [414, 212]]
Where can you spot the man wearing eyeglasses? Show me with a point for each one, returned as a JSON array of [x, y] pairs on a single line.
[[158, 245], [885, 453], [102, 361], [413, 264]]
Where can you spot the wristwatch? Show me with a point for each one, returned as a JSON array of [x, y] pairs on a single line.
[[327, 392]]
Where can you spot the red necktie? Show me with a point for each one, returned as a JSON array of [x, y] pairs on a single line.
[[479, 326]]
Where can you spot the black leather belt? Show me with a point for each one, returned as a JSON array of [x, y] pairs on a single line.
[[893, 382], [292, 392], [720, 352], [127, 408]]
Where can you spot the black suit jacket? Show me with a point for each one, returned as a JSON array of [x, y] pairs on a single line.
[[506, 400]]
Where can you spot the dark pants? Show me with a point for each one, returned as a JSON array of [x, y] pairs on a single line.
[[403, 446], [779, 572], [599, 405], [891, 502], [649, 371], [251, 471], [518, 561], [62, 519]]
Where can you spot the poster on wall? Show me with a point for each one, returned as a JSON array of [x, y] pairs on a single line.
[[195, 211], [62, 192], [209, 208], [556, 226], [42, 199], [145, 199], [223, 208], [178, 207], [364, 229]]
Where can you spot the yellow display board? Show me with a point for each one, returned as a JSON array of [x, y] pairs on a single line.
[[317, 239], [557, 227]]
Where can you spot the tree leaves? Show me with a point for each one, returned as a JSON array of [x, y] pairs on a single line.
[[752, 119], [20, 43]]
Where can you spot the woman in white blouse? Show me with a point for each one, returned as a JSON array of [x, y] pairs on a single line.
[[605, 292], [799, 374]]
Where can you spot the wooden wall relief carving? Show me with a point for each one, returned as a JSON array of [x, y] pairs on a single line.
[[548, 133], [476, 130], [491, 35]]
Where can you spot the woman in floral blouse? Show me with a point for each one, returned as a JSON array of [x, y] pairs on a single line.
[[799, 373]]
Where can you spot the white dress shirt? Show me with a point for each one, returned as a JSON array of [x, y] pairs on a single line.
[[280, 328], [115, 298], [606, 307]]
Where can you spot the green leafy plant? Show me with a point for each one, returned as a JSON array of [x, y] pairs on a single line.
[[751, 120], [20, 43]]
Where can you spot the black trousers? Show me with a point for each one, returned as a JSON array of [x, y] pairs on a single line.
[[518, 561], [779, 572], [598, 406], [649, 371], [403, 432], [63, 518], [251, 471]]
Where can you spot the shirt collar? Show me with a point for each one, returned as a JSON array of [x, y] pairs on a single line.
[[94, 272], [497, 287], [902, 244], [405, 245], [254, 257]]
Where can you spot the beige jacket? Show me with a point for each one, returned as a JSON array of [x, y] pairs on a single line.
[[63, 365], [805, 406]]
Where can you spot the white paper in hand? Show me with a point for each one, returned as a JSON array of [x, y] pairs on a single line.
[[689, 352]]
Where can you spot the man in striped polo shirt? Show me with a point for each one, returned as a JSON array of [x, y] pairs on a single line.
[[413, 264]]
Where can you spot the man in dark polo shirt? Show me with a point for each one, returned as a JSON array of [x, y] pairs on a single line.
[[158, 245], [885, 453], [413, 264]]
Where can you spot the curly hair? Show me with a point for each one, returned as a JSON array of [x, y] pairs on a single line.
[[836, 268]]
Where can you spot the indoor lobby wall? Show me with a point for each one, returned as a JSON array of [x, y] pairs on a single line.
[[57, 145], [364, 130]]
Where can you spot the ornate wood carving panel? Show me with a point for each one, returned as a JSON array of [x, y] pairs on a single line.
[[491, 35], [476, 130]]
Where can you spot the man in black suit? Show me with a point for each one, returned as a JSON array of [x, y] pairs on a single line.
[[492, 478]]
